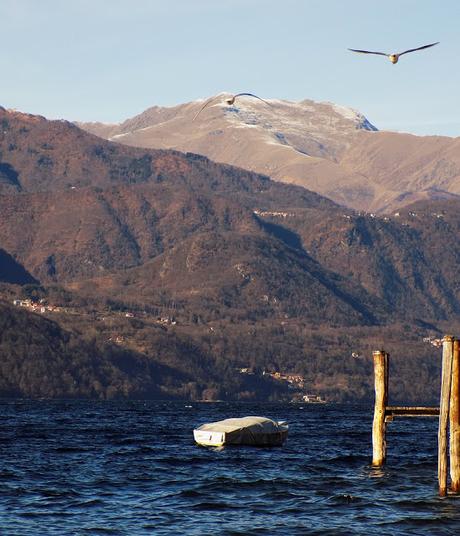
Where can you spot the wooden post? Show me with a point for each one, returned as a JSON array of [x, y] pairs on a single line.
[[381, 401], [447, 351], [454, 420]]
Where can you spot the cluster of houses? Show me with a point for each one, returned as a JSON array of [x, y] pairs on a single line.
[[313, 399], [37, 307], [296, 383], [118, 339], [433, 341], [166, 320], [163, 320], [42, 307], [276, 214]]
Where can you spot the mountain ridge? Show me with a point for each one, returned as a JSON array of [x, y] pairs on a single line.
[[324, 147]]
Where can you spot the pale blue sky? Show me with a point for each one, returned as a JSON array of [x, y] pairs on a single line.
[[107, 60]]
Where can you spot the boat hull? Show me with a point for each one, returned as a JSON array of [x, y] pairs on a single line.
[[209, 439]]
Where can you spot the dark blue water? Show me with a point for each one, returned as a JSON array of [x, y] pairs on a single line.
[[133, 468]]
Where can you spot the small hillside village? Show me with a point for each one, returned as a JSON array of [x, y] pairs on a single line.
[[41, 306], [38, 307], [296, 383], [433, 341]]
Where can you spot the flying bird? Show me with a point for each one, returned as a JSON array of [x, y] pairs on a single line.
[[395, 56], [229, 100]]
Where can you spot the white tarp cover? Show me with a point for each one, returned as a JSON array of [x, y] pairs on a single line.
[[249, 430]]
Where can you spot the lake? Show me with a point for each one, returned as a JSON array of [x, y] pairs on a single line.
[[132, 468]]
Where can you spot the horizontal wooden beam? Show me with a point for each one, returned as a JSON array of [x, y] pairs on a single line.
[[410, 411]]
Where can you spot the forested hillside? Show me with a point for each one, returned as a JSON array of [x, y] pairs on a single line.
[[164, 274]]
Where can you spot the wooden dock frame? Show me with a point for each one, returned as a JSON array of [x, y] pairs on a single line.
[[448, 412]]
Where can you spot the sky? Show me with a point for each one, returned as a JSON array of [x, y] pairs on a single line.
[[107, 60]]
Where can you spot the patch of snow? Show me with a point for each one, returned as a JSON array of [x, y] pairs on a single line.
[[281, 101], [284, 146], [246, 125], [116, 136], [149, 127], [347, 113], [352, 115]]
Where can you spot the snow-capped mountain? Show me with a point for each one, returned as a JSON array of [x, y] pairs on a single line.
[[330, 149]]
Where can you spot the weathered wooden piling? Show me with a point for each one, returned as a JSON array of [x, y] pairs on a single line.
[[381, 402], [448, 411], [454, 420], [444, 406]]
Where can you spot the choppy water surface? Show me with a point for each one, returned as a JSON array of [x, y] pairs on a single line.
[[133, 468]]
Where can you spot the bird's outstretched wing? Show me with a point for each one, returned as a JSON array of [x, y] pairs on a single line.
[[418, 48], [251, 95], [367, 52], [204, 106]]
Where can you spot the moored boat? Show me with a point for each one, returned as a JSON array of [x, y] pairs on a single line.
[[251, 430]]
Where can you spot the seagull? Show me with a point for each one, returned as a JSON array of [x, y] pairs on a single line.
[[229, 100], [395, 56]]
